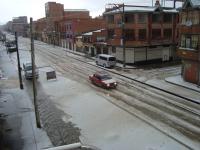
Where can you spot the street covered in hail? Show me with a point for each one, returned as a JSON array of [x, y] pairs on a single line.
[[80, 106]]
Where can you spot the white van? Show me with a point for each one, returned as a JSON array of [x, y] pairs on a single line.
[[105, 60]]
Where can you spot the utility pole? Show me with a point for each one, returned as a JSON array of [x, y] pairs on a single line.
[[123, 37], [33, 73], [18, 62]]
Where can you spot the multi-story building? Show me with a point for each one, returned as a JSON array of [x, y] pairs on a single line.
[[68, 29], [94, 42], [20, 25], [62, 26], [40, 29], [54, 12], [189, 43], [137, 34]]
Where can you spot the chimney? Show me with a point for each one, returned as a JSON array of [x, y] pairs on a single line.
[[157, 3]]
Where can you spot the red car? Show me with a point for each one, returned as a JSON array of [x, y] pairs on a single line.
[[103, 79]]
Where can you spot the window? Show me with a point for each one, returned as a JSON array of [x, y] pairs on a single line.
[[110, 18], [189, 41], [167, 18], [111, 34], [129, 18], [183, 18], [142, 18], [156, 34], [102, 58], [111, 59], [167, 33], [142, 34], [113, 49], [183, 41], [196, 18], [156, 18], [195, 41], [129, 34]]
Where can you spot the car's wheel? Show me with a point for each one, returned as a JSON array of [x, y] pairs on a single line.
[[96, 62], [104, 65]]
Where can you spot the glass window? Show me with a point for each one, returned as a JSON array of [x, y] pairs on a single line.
[[113, 49], [129, 34], [156, 34], [142, 18], [112, 59], [183, 18], [167, 18], [196, 18], [142, 34], [188, 42], [156, 18], [183, 41], [129, 18], [110, 19], [167, 33], [111, 34], [194, 41]]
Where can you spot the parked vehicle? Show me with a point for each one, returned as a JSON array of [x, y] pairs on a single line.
[[28, 71], [105, 60], [103, 79], [12, 49], [10, 46]]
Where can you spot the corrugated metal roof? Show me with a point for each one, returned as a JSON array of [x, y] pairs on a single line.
[[70, 10], [195, 2], [140, 9]]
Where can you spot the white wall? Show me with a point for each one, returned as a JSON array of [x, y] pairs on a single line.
[[129, 54]]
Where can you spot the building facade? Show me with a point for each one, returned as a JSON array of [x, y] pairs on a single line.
[[189, 43], [69, 29], [53, 12], [94, 42], [40, 29], [143, 33]]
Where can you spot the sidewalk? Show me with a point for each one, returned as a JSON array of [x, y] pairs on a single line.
[[18, 129], [178, 80]]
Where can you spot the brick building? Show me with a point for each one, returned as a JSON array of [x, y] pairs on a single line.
[[54, 12], [149, 33], [94, 42], [189, 44], [40, 29], [63, 25], [68, 29]]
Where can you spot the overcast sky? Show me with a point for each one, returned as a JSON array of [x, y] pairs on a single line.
[[36, 8]]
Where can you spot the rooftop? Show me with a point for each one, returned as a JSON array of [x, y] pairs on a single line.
[[141, 9], [75, 10]]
